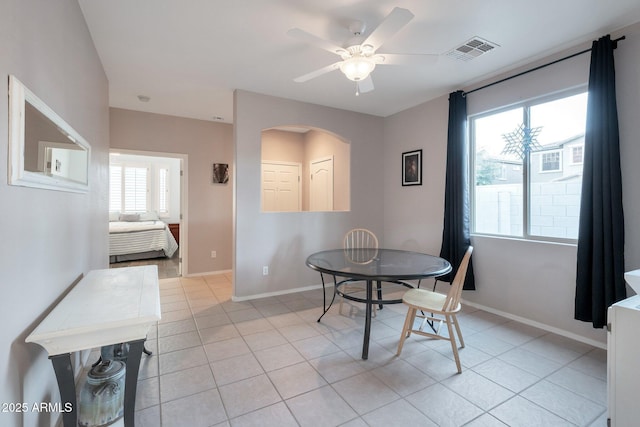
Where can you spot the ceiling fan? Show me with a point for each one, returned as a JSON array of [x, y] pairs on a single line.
[[360, 59]]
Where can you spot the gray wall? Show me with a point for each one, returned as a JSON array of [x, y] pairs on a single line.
[[283, 240], [413, 215], [209, 224], [522, 279], [49, 238], [628, 93]]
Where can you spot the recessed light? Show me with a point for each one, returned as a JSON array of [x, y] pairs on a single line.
[[143, 98]]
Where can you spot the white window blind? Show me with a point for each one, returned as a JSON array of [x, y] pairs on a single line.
[[163, 191], [128, 188], [115, 188], [135, 189]]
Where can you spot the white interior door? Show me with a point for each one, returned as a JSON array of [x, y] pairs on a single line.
[[321, 185], [281, 187]]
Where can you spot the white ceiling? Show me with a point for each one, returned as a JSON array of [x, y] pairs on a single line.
[[189, 55]]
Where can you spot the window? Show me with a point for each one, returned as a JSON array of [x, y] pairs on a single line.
[[128, 188], [576, 155], [540, 196], [503, 173], [551, 162]]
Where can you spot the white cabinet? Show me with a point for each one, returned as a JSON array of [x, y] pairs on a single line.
[[623, 362]]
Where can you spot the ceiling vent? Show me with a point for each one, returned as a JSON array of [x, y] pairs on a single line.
[[471, 49]]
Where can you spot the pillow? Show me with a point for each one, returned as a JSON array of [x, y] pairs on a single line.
[[149, 216], [130, 217], [114, 216]]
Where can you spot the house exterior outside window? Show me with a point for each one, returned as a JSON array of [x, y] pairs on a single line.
[[576, 154], [551, 162], [533, 192]]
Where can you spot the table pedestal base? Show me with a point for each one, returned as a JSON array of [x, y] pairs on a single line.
[[368, 301]]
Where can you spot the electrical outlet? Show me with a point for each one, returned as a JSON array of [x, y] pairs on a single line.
[[265, 270], [213, 254]]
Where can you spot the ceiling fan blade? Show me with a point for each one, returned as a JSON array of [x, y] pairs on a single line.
[[390, 25], [406, 59], [304, 36], [317, 73], [365, 85]]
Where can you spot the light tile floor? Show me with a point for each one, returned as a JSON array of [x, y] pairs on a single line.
[[267, 362]]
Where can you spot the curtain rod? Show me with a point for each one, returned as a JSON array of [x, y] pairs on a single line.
[[615, 45]]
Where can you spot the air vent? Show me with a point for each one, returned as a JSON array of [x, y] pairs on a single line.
[[472, 49]]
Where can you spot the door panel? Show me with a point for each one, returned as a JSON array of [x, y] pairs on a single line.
[[321, 194], [281, 187]]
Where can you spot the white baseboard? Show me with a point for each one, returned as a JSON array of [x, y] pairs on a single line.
[[538, 325], [207, 273], [273, 294]]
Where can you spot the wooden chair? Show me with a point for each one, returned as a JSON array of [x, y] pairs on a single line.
[[443, 309], [360, 245]]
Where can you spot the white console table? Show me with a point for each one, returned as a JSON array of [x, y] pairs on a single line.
[[106, 307]]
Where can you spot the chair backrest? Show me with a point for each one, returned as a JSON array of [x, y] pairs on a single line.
[[360, 245], [455, 291], [360, 238]]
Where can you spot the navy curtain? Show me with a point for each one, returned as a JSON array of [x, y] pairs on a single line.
[[600, 267], [455, 236]]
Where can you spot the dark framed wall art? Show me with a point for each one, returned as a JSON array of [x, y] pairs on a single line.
[[220, 173], [412, 168]]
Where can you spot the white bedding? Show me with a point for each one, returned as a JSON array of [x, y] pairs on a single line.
[[131, 237]]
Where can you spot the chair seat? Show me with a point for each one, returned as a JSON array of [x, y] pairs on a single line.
[[426, 300]]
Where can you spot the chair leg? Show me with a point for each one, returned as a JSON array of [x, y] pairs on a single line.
[[406, 329], [414, 313], [452, 338], [455, 319]]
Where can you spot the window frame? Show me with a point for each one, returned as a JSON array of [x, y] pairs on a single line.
[[526, 165], [557, 151], [572, 162]]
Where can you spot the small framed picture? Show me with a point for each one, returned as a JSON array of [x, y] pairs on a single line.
[[220, 173], [412, 168]]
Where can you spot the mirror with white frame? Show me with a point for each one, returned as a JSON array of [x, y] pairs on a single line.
[[44, 150]]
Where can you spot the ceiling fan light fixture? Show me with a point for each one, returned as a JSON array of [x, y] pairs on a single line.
[[357, 68]]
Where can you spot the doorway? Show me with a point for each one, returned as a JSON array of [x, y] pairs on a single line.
[[147, 211]]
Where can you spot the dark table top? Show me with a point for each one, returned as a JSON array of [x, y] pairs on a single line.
[[378, 264]]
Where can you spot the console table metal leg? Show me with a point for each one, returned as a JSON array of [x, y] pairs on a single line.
[[67, 386], [367, 321], [131, 381]]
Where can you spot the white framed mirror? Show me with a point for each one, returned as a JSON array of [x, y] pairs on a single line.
[[44, 150]]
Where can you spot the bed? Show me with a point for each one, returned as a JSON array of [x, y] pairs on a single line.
[[139, 236]]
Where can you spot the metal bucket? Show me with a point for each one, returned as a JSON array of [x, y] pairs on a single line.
[[101, 400]]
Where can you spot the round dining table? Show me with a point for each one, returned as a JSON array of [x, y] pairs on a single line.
[[371, 266]]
